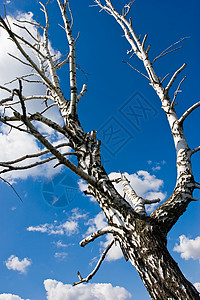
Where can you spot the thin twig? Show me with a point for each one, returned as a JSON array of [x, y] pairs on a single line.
[[28, 156], [161, 55], [135, 69], [12, 188], [23, 27], [164, 52], [29, 166], [164, 78], [174, 77], [177, 91], [21, 61]]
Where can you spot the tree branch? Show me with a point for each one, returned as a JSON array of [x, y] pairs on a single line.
[[195, 150], [163, 53], [72, 60], [90, 276], [55, 152], [29, 166], [12, 188], [135, 69], [174, 77], [83, 91], [94, 235], [33, 64], [177, 91], [137, 202], [64, 130], [28, 156], [188, 112]]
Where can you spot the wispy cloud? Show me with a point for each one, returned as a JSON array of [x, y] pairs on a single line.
[[77, 214], [67, 228], [156, 166], [61, 255], [15, 264], [60, 244], [189, 248]]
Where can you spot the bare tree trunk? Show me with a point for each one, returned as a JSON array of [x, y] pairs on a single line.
[[159, 272]]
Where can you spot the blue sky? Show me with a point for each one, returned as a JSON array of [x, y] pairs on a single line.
[[40, 241]]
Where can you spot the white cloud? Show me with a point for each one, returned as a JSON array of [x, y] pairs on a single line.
[[67, 228], [188, 248], [145, 185], [9, 297], [157, 168], [60, 244], [197, 286], [14, 263], [97, 223], [78, 214], [96, 291]]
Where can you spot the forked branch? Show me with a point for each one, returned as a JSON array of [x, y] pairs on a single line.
[[167, 51]]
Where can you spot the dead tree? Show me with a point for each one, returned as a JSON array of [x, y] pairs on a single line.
[[142, 238]]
